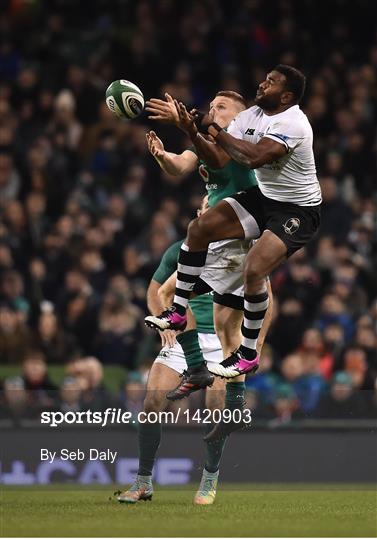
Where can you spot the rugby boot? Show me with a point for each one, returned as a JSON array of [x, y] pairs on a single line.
[[235, 365], [207, 490], [168, 320], [193, 379], [141, 490]]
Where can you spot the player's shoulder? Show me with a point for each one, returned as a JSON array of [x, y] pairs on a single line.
[[173, 249], [295, 113], [296, 119], [252, 111]]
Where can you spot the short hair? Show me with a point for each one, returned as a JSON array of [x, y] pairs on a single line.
[[233, 95], [295, 80]]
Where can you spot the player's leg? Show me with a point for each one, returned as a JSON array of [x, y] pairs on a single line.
[[266, 255], [228, 322], [218, 223], [215, 397], [161, 378], [196, 376]]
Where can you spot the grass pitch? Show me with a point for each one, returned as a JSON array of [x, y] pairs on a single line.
[[241, 511]]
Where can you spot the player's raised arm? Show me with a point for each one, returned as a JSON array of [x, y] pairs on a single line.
[[169, 162]]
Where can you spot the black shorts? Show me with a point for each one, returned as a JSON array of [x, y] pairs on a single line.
[[294, 225], [227, 300]]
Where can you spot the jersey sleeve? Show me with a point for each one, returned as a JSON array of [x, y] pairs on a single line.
[[285, 132], [168, 264], [235, 128]]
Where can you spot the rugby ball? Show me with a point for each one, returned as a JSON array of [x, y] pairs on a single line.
[[124, 99]]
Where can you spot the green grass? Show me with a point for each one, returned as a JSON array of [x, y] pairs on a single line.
[[241, 511]]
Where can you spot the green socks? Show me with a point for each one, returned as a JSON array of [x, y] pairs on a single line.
[[235, 395], [234, 399], [214, 451], [149, 441], [190, 344]]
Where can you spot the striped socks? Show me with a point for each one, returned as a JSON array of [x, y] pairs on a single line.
[[190, 266], [255, 307]]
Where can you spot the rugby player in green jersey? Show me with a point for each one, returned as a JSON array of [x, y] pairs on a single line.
[[224, 265], [165, 373]]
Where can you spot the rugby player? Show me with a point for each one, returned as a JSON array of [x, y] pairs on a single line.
[[273, 137], [165, 374], [224, 265]]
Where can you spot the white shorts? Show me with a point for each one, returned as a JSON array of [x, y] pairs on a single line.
[[223, 271], [175, 359]]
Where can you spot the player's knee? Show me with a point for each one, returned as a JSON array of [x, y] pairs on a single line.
[[253, 272], [155, 402]]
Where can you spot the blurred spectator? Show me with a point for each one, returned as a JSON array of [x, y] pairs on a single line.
[[37, 381], [15, 337], [57, 345], [333, 310], [336, 214], [302, 372], [69, 399], [15, 402], [286, 406], [312, 349], [342, 402], [355, 364], [119, 331], [88, 372], [9, 179], [264, 381]]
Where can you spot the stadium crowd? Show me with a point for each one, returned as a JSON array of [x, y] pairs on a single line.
[[86, 214]]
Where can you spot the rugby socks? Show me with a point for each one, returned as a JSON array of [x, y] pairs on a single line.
[[149, 441], [213, 453], [255, 307], [190, 266], [235, 396], [189, 341]]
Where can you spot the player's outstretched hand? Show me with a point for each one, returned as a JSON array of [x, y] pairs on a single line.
[[168, 338], [162, 111], [186, 119], [155, 145]]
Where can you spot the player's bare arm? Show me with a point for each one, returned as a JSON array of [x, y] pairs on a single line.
[[156, 305], [171, 163], [166, 290], [153, 300], [244, 152]]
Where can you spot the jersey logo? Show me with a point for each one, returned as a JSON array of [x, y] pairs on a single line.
[[291, 225], [250, 131], [203, 172]]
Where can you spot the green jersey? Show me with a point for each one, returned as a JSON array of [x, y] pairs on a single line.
[[221, 183], [202, 306]]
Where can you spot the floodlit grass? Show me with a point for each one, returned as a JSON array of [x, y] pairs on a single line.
[[243, 510]]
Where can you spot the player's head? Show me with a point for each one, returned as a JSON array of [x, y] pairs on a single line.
[[227, 104], [203, 207], [284, 86]]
